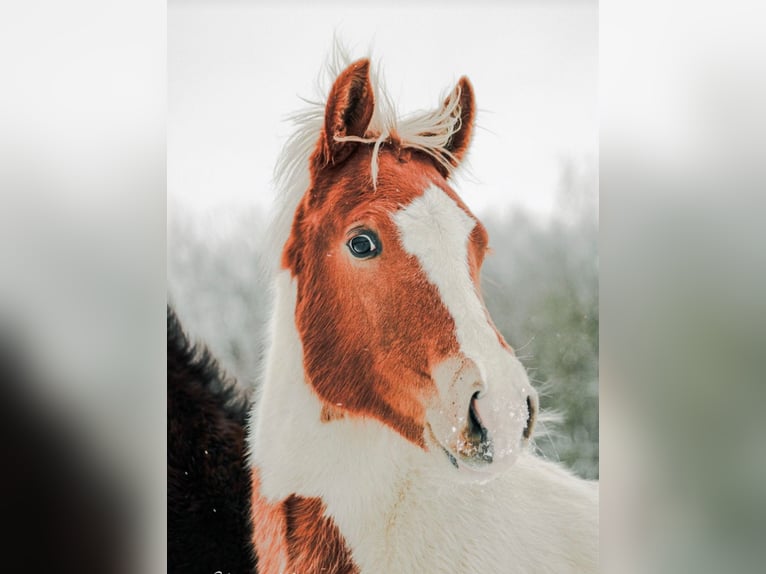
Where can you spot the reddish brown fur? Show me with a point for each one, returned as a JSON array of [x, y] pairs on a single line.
[[460, 141], [314, 543], [295, 537], [268, 531], [371, 330], [358, 350], [349, 110]]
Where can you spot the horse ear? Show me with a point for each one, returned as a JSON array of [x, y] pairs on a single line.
[[466, 108], [348, 112]]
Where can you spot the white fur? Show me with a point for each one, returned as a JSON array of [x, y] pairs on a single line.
[[394, 504], [399, 508], [436, 230]]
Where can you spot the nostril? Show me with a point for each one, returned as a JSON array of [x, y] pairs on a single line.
[[473, 415], [476, 424], [531, 414]]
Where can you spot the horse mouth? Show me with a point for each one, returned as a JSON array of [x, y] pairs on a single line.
[[474, 444]]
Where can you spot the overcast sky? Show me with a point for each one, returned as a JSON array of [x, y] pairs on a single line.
[[236, 70]]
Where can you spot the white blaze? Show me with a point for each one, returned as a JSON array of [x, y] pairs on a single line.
[[436, 230]]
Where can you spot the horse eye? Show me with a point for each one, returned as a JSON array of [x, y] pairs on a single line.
[[364, 246]]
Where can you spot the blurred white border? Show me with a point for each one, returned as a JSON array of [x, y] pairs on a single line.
[[82, 137]]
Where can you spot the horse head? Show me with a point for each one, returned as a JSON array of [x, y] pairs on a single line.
[[386, 259]]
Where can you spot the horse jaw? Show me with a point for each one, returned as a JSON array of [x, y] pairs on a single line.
[[293, 449]]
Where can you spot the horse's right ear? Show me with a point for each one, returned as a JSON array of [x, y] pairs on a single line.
[[348, 112]]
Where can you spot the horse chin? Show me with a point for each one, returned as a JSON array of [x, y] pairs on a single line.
[[471, 469], [484, 461]]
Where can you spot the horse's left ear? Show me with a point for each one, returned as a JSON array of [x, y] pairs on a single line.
[[466, 111]]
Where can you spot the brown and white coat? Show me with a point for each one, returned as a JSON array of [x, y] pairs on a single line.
[[390, 429]]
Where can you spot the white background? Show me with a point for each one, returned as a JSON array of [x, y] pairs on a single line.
[[236, 70]]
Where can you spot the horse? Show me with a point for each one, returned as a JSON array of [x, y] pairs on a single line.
[[391, 428], [209, 527]]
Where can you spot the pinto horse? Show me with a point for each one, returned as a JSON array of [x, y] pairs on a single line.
[[391, 426]]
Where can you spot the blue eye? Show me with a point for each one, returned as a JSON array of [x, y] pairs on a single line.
[[365, 245]]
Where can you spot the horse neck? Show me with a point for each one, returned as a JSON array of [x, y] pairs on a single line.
[[391, 507], [296, 453]]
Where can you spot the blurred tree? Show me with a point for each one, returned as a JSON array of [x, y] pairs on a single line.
[[541, 288], [219, 285]]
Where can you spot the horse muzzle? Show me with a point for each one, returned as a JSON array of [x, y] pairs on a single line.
[[481, 427]]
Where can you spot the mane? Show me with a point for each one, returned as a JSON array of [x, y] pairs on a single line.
[[426, 131], [208, 479], [191, 363]]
